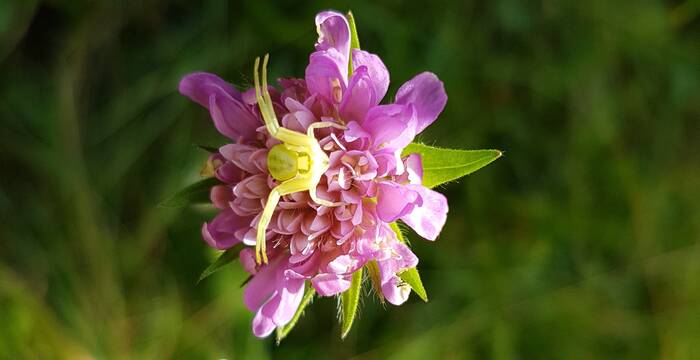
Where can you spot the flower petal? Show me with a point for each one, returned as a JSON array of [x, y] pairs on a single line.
[[429, 218], [396, 292], [221, 196], [199, 86], [262, 286], [229, 173], [395, 200], [263, 326], [391, 126], [326, 76], [330, 284], [290, 291], [231, 117], [334, 33], [427, 93], [378, 72], [220, 233], [400, 259], [359, 97], [413, 166]]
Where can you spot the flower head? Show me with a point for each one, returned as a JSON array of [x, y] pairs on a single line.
[[334, 222]]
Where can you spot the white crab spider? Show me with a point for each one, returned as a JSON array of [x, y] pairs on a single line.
[[298, 163]]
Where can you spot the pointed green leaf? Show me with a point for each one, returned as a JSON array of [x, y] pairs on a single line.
[[349, 301], [197, 193], [410, 276], [374, 275], [354, 39], [283, 331], [399, 234], [443, 165], [223, 260], [209, 149]]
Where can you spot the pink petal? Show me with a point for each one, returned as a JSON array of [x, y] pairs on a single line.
[[261, 287], [359, 97], [355, 132], [247, 259], [334, 33], [252, 187], [395, 292], [414, 169], [229, 173], [325, 73], [429, 218], [330, 284], [241, 155], [391, 126], [299, 117], [378, 73], [231, 117], [282, 306], [395, 200], [221, 196], [427, 93], [263, 326], [220, 233]]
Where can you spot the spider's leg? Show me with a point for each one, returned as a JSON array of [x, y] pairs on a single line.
[[260, 245], [321, 164], [267, 110], [296, 184], [322, 124]]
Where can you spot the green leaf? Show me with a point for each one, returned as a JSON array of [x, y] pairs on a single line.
[[399, 234], [374, 275], [197, 193], [223, 260], [283, 331], [443, 165], [209, 149], [349, 301], [354, 39], [410, 276]]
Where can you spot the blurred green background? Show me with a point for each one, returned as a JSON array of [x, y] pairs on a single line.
[[581, 243]]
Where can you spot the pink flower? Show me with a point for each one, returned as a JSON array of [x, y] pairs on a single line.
[[369, 180]]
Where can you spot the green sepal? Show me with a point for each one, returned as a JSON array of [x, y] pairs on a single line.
[[349, 301], [283, 331], [399, 234], [375, 277], [354, 40], [197, 193], [412, 278], [226, 257], [209, 149], [444, 165]]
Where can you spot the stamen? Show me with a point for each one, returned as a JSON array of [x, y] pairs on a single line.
[[337, 91], [337, 142]]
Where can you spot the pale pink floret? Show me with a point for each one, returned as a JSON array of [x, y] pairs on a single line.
[[306, 241]]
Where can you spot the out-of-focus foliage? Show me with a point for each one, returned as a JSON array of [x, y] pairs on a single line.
[[582, 242]]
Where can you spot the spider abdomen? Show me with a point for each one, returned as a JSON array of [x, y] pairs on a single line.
[[282, 162]]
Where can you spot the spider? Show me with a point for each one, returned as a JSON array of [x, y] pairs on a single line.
[[297, 163]]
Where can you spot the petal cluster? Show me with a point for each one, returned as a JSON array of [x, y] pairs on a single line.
[[367, 175]]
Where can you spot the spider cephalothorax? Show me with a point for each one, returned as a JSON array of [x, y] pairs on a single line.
[[298, 163]]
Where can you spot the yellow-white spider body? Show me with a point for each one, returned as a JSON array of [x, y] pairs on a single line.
[[298, 163]]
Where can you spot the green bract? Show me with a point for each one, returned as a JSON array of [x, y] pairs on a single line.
[[445, 165]]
